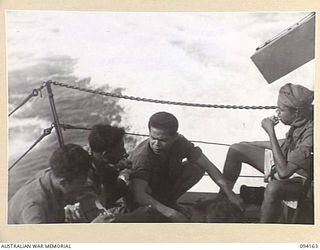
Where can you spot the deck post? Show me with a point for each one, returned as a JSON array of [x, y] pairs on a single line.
[[54, 114]]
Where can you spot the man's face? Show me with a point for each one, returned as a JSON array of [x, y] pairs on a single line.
[[73, 187], [160, 140], [111, 156], [286, 116]]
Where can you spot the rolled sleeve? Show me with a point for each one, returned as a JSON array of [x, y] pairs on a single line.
[[301, 154], [191, 152], [140, 168], [195, 154]]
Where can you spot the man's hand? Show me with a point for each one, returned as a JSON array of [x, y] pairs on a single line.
[[176, 216], [182, 209], [124, 175], [124, 163], [269, 123], [237, 201], [104, 218], [72, 213]]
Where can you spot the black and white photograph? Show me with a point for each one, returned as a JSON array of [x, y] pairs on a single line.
[[160, 117]]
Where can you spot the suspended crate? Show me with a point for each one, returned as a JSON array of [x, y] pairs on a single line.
[[287, 51]]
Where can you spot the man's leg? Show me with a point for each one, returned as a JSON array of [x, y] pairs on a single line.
[[188, 177], [275, 192], [141, 215], [242, 153]]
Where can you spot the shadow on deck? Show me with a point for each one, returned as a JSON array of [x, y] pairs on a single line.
[[206, 208]]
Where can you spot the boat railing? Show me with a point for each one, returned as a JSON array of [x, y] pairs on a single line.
[[59, 126]]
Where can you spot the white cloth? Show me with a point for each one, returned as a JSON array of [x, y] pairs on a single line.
[[268, 163]]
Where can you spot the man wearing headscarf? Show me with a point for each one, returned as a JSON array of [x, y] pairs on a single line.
[[286, 163]]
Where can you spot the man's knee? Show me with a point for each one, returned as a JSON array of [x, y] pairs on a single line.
[[193, 170], [272, 191], [235, 150]]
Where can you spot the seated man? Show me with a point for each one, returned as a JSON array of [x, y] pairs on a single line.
[[289, 158], [109, 165], [43, 198], [160, 176]]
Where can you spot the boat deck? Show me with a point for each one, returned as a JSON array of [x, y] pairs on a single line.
[[205, 208]]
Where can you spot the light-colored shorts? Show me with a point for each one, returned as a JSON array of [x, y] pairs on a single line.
[[268, 163]]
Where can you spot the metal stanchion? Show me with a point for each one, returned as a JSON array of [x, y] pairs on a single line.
[[54, 114]]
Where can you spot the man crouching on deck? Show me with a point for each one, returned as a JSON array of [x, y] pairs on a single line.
[[160, 176]]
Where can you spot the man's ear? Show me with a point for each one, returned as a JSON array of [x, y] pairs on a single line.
[[174, 137], [59, 183], [298, 112], [62, 182]]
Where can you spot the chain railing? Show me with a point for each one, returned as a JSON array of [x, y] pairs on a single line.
[[142, 99], [56, 124]]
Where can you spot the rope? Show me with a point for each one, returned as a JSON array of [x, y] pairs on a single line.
[[202, 142], [243, 176], [45, 132], [68, 126], [35, 92], [141, 99]]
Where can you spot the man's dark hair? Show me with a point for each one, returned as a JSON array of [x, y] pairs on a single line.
[[104, 137], [165, 121], [70, 162]]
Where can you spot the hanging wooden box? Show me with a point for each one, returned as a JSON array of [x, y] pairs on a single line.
[[288, 51]]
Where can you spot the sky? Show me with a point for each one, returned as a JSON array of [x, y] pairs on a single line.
[[200, 57]]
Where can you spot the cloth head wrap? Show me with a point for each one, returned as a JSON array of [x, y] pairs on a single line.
[[295, 96], [298, 97]]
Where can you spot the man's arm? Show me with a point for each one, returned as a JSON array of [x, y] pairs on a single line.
[[284, 168], [33, 214], [143, 198], [218, 178]]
